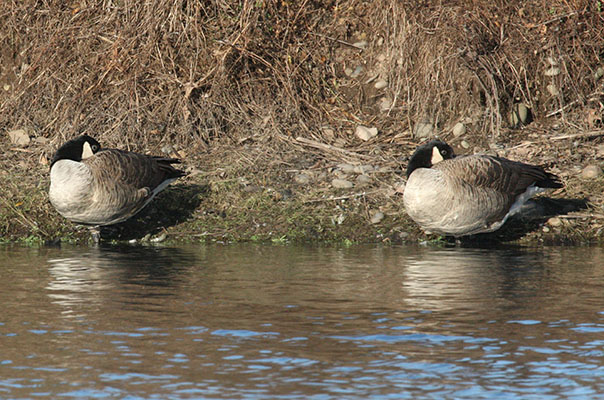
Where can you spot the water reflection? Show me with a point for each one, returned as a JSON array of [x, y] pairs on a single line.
[[301, 322]]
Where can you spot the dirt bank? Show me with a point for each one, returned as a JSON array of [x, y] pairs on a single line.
[[269, 102]]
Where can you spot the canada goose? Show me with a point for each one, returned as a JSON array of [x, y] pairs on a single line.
[[471, 194], [98, 187]]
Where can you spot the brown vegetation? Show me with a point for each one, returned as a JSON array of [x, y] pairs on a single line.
[[275, 81]]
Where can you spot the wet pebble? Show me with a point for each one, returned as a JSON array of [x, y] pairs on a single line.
[[341, 184], [554, 222], [591, 171]]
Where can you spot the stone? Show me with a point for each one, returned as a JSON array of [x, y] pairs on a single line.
[[554, 222], [459, 129], [365, 133], [423, 130], [357, 71], [341, 184], [551, 61], [363, 179], [302, 178], [465, 144], [167, 149], [377, 217], [361, 169], [19, 137], [591, 171], [599, 73], [553, 89], [553, 71], [519, 115], [380, 84], [385, 104], [360, 44], [346, 168]]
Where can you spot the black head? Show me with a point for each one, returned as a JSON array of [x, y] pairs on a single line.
[[429, 154], [76, 149]]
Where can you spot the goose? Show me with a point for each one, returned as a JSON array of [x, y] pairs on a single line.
[[466, 195], [98, 187]]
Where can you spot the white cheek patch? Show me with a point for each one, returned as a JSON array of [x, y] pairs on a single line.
[[436, 156], [86, 151]]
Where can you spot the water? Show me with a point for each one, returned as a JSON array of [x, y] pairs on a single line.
[[258, 322]]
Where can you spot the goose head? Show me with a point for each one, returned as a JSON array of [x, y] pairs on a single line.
[[76, 149], [429, 154]]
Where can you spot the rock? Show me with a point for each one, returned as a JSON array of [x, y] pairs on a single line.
[[380, 84], [6, 87], [551, 61], [41, 140], [363, 179], [354, 73], [385, 104], [459, 129], [19, 137], [600, 151], [545, 229], [160, 238], [360, 44], [599, 73], [554, 222], [341, 184], [302, 178], [346, 168], [553, 89], [167, 149], [423, 130], [591, 171], [364, 133], [519, 115], [553, 71], [465, 144], [377, 217], [361, 169]]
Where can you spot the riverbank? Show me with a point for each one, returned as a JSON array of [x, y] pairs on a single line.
[[295, 119], [300, 191]]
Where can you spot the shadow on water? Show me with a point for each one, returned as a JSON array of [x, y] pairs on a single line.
[[173, 206], [91, 274]]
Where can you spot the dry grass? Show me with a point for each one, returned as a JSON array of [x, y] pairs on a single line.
[[191, 72]]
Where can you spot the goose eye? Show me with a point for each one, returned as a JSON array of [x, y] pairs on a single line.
[[95, 147], [444, 152]]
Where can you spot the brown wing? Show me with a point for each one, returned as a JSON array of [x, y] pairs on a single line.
[[123, 181], [500, 174]]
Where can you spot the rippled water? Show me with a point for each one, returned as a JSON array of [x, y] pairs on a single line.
[[257, 322]]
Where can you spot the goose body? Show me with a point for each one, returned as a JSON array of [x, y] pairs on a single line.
[[98, 187], [466, 195]]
